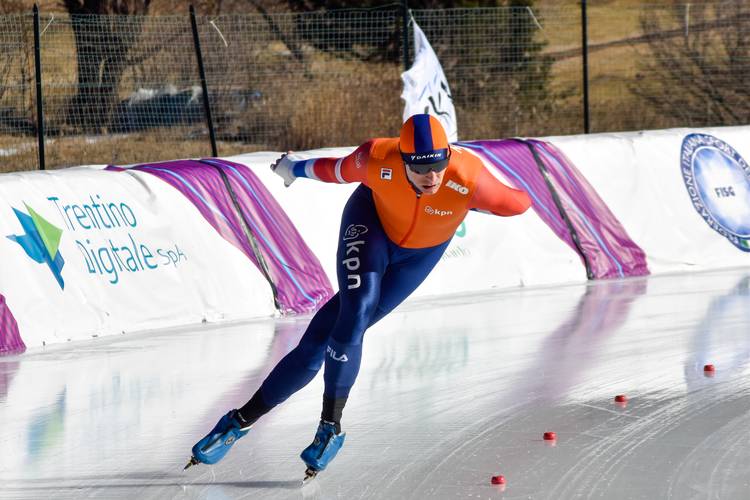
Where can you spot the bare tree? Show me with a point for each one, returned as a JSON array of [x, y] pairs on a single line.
[[698, 63], [102, 47]]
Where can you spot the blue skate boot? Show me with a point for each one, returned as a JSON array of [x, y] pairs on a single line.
[[322, 450], [216, 444]]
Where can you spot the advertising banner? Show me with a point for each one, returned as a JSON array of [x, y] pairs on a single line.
[[683, 195], [91, 252], [234, 201]]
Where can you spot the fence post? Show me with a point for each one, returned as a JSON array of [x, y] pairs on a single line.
[[204, 85], [38, 78], [585, 48], [405, 33]]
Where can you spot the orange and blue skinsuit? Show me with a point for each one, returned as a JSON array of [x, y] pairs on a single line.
[[390, 239], [410, 220]]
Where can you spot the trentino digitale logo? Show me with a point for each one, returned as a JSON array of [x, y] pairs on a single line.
[[41, 241], [717, 179]]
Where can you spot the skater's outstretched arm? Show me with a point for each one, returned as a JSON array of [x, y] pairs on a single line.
[[492, 196], [350, 168]]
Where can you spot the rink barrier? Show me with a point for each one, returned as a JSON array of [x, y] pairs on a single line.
[[10, 338], [231, 198], [128, 249], [683, 194], [91, 251], [260, 260], [568, 205], [573, 232]]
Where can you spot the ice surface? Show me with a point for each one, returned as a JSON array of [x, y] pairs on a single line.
[[451, 392]]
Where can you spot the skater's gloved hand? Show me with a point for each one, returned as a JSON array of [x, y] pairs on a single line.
[[283, 167]]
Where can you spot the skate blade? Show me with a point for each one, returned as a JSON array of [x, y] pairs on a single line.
[[310, 474], [193, 461]]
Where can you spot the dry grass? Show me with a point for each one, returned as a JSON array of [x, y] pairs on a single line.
[[118, 150], [18, 153]]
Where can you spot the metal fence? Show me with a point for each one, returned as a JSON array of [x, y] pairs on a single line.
[[126, 89]]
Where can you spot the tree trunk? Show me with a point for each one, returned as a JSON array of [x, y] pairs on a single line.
[[102, 47]]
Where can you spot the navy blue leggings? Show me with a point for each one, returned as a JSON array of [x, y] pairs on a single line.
[[374, 276]]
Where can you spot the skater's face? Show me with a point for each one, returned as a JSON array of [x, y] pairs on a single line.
[[428, 183]]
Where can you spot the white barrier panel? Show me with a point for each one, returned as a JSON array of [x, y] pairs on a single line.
[[89, 252], [674, 197]]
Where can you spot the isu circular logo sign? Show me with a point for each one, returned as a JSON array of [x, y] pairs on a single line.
[[717, 179]]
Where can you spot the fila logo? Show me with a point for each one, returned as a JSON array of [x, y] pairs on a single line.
[[386, 174], [457, 187], [332, 354], [352, 263]]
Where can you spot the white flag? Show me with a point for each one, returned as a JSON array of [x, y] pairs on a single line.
[[426, 88]]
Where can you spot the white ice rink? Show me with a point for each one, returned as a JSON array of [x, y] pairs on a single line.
[[451, 392]]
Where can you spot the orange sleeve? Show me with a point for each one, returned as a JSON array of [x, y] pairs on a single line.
[[491, 195], [350, 168]]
